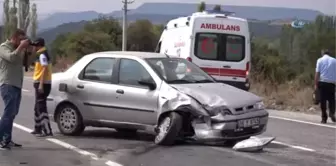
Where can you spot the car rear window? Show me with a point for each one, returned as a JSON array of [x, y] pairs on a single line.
[[220, 47]]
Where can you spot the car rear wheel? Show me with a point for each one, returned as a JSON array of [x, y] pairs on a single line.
[[168, 129], [69, 120]]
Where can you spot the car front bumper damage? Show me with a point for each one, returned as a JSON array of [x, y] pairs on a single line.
[[210, 129]]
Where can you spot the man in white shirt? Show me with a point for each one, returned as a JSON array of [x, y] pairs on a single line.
[[325, 80]]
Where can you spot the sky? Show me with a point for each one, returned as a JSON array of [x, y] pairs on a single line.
[[46, 7]]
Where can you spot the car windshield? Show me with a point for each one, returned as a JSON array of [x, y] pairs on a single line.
[[178, 71]]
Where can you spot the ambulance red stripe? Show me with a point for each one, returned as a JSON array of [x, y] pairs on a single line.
[[225, 72]]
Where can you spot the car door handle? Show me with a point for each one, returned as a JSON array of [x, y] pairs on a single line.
[[120, 91], [80, 86]]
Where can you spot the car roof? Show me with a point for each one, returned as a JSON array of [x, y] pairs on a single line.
[[143, 55]]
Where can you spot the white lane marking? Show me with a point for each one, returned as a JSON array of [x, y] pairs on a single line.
[[301, 121], [293, 146], [70, 147], [246, 155], [110, 163], [25, 90]]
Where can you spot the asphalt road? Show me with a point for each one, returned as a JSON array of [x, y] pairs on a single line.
[[300, 141]]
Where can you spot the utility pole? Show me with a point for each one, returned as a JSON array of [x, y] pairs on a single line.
[[125, 9]]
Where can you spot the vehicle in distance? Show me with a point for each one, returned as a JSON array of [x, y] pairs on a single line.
[[132, 91], [215, 41]]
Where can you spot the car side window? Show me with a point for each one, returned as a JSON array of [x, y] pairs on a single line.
[[100, 69], [131, 71]]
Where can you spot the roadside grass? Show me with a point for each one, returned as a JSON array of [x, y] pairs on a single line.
[[289, 97]]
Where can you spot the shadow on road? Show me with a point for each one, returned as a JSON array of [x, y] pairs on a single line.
[[147, 138], [112, 134]]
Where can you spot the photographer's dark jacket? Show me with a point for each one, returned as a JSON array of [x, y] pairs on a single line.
[[40, 62], [11, 66]]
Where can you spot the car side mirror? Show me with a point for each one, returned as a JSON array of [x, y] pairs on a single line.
[[151, 84]]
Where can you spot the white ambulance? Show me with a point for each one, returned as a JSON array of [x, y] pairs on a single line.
[[215, 41]]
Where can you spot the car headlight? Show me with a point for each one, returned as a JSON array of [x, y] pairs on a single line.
[[259, 105], [223, 111]]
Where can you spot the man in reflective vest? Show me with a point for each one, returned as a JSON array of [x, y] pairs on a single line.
[[42, 85]]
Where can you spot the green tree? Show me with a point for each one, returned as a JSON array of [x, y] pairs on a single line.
[[11, 13], [201, 7], [56, 47], [24, 14], [217, 8], [102, 34], [13, 21], [158, 29], [6, 20], [142, 36], [33, 21], [108, 25], [84, 42]]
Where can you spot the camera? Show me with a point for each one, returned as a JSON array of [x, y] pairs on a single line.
[[33, 43]]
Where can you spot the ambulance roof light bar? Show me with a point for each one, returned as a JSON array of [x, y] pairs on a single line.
[[226, 13]]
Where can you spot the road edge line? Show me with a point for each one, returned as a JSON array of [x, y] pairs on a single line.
[[70, 147], [301, 121], [294, 146]]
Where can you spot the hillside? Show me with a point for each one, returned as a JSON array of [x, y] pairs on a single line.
[[50, 34], [258, 29], [61, 18], [163, 11], [251, 12]]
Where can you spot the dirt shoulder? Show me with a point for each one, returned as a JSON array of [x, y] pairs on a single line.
[[287, 97]]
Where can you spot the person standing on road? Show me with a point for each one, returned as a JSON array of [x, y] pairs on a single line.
[[42, 85], [11, 79], [325, 80]]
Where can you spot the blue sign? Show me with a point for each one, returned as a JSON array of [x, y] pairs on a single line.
[[298, 24]]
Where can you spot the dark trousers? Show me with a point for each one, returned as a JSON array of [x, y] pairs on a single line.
[[11, 97], [327, 94], [42, 122]]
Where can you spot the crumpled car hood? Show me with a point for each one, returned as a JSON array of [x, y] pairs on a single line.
[[218, 94]]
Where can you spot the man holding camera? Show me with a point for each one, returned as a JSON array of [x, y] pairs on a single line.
[[11, 79], [42, 85]]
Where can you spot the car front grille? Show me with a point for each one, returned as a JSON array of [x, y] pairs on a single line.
[[246, 108]]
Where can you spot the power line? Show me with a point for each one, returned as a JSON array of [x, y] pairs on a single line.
[[125, 9]]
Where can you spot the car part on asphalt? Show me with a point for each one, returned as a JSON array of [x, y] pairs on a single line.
[[253, 144]]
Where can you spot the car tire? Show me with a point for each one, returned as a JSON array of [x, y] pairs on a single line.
[[168, 129], [69, 120]]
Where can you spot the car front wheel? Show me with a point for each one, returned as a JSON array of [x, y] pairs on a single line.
[[69, 120], [168, 129]]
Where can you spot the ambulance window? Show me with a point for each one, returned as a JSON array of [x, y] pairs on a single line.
[[207, 46], [234, 48], [220, 47]]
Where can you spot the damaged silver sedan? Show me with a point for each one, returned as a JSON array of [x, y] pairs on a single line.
[[132, 91]]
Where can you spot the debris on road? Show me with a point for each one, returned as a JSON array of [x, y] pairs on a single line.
[[253, 144]]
